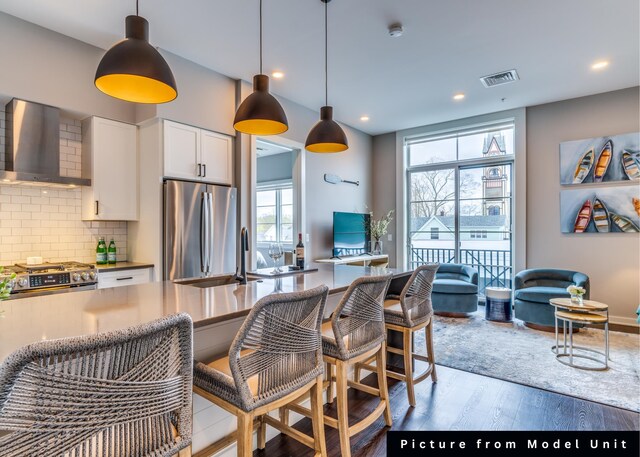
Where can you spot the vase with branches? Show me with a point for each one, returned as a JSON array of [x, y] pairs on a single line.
[[377, 229]]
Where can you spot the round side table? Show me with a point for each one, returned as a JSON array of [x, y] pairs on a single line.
[[589, 312], [498, 304]]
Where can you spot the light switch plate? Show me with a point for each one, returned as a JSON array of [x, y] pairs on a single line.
[[308, 238], [389, 237]]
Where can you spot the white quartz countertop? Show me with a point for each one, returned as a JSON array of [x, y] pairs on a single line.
[[26, 320]]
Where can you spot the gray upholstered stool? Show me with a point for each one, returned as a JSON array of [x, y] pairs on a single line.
[[411, 312], [126, 392], [274, 359], [355, 333]]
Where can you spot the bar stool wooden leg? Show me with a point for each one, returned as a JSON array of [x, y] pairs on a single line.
[[343, 412], [262, 434], [330, 374], [245, 434], [356, 372], [408, 365], [284, 415], [381, 364], [318, 418], [430, 354], [186, 452]]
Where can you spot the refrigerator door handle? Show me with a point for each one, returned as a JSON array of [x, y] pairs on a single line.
[[209, 230], [202, 230]]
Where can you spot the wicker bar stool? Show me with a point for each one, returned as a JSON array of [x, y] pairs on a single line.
[[355, 333], [275, 358], [117, 394], [410, 312]]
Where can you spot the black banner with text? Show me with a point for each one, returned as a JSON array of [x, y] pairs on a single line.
[[510, 444]]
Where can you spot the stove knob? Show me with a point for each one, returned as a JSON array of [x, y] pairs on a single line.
[[84, 275], [93, 275], [75, 277], [11, 284], [22, 282]]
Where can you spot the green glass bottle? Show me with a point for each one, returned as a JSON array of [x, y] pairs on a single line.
[[111, 252], [101, 252]]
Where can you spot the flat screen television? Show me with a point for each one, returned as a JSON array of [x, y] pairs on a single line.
[[350, 234]]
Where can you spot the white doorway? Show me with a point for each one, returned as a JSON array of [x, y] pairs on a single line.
[[277, 188]]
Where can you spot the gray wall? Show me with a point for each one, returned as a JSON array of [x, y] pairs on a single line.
[[276, 167], [384, 187], [612, 260], [46, 67]]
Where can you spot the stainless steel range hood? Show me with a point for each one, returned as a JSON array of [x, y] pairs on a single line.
[[32, 151]]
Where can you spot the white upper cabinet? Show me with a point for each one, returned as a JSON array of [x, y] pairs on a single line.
[[197, 155], [181, 146], [216, 155], [110, 159]]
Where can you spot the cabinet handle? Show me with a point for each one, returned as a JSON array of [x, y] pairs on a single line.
[[199, 169], [124, 278], [97, 207], [204, 168]]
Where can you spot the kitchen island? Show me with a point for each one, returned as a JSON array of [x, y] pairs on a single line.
[[217, 314]]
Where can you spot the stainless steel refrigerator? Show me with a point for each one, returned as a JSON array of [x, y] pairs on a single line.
[[199, 230]]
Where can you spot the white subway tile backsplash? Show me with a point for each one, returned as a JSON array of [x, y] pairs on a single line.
[[45, 221]]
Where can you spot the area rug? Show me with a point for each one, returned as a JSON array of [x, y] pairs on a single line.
[[515, 353]]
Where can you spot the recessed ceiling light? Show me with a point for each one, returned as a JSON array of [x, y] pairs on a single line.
[[458, 96], [277, 74], [364, 118], [600, 65]]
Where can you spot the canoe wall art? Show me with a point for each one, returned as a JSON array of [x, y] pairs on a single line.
[[604, 159], [600, 209]]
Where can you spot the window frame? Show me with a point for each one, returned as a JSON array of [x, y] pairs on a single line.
[[278, 187]]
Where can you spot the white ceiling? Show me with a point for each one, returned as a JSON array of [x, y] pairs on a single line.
[[398, 82]]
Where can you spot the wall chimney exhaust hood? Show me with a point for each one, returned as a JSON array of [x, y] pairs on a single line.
[[32, 151]]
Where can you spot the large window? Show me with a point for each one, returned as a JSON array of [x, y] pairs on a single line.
[[459, 188], [274, 214]]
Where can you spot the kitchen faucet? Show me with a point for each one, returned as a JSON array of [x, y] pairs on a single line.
[[244, 247]]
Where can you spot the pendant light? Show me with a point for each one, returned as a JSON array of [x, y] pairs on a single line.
[[326, 136], [133, 70], [260, 113]]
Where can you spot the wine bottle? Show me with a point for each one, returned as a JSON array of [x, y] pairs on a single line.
[[111, 252], [300, 252], [101, 252]]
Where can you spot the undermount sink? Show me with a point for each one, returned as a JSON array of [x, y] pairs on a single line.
[[212, 281]]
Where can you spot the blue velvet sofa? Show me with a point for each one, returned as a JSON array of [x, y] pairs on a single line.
[[534, 288], [455, 290]]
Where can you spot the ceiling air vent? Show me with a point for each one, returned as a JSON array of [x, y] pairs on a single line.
[[496, 79]]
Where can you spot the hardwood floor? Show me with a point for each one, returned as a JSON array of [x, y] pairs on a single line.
[[461, 401]]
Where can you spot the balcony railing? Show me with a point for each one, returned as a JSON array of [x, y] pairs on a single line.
[[493, 266]]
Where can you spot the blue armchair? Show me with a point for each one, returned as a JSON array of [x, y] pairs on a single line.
[[455, 290], [534, 288]]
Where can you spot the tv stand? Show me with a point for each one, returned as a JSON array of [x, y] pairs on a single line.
[[366, 260]]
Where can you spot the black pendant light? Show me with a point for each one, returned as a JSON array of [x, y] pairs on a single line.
[[133, 70], [260, 113], [326, 136]]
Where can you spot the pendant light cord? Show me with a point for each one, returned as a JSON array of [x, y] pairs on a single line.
[[326, 58], [260, 36], [137, 8]]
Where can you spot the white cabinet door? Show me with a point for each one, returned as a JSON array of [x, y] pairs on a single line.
[[216, 157], [112, 156], [181, 149]]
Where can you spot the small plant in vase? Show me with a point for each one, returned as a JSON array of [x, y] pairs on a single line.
[[377, 229], [5, 287], [576, 293]]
